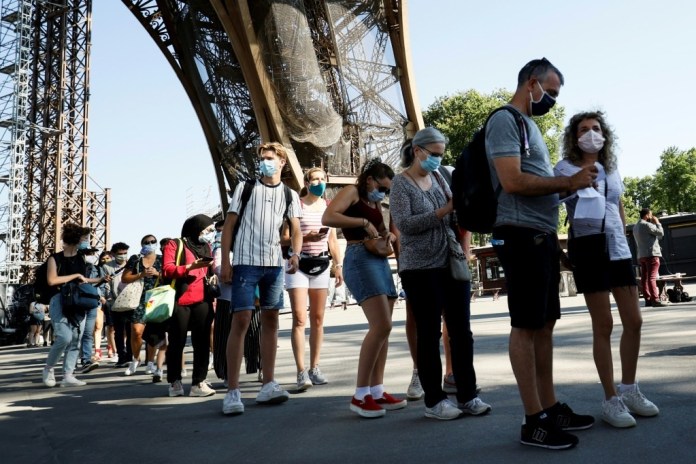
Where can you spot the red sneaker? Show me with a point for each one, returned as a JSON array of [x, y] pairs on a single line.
[[390, 403], [367, 407]]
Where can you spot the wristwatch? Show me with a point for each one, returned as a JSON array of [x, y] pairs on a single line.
[[291, 254]]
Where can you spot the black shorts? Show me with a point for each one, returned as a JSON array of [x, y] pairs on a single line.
[[530, 259], [604, 278]]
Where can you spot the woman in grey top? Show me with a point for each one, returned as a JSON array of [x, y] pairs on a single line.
[[421, 207]]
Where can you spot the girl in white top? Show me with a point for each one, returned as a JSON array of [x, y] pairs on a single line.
[[589, 140], [312, 278]]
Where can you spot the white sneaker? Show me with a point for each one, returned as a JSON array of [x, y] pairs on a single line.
[[211, 366], [49, 377], [272, 393], [176, 389], [69, 380], [303, 381], [615, 413], [201, 390], [132, 367], [415, 390], [150, 368], [638, 404], [475, 407], [157, 375], [232, 404], [444, 410]]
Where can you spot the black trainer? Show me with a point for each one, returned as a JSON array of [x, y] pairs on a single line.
[[88, 366], [566, 419], [544, 434]]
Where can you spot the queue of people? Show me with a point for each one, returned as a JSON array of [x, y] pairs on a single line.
[[240, 263]]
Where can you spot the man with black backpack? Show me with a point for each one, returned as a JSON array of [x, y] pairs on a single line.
[[252, 232], [524, 237]]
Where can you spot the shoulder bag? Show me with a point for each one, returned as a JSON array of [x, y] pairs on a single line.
[[589, 252], [458, 264], [380, 246], [129, 298], [159, 301]]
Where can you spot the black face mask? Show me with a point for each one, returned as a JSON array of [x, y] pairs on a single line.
[[544, 105]]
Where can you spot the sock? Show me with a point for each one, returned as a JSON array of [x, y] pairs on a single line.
[[377, 391], [626, 388], [534, 418], [361, 393]]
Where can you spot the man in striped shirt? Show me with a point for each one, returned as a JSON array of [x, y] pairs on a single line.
[[257, 261]]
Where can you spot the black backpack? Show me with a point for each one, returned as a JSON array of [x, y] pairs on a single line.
[[246, 195], [475, 200], [42, 291]]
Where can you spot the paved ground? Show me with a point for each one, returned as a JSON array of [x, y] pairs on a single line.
[[117, 419]]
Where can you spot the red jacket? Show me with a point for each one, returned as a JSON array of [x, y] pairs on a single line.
[[195, 293]]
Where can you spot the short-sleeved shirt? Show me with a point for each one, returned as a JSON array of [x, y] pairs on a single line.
[[135, 265], [258, 238], [503, 140], [613, 225]]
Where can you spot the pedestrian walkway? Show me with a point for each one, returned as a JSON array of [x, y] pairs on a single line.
[[115, 419]]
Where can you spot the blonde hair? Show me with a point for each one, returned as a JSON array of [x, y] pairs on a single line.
[[308, 174], [275, 147]]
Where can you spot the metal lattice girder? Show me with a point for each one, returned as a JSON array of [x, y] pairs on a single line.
[[239, 78]]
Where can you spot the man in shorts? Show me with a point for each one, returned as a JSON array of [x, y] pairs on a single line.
[[257, 261], [524, 237]]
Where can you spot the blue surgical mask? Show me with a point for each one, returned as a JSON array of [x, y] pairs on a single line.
[[83, 245], [375, 196], [545, 103], [268, 167], [317, 189], [431, 163], [148, 249], [208, 238]]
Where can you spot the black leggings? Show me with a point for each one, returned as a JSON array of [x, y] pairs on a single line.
[[197, 318]]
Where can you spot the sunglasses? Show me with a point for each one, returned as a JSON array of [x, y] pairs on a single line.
[[150, 242], [382, 189]]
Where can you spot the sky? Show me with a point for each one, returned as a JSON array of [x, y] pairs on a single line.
[[633, 60]]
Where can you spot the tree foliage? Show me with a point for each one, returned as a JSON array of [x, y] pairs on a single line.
[[459, 116]]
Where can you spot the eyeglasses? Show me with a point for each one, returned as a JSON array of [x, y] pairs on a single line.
[[150, 242], [382, 189], [439, 155]]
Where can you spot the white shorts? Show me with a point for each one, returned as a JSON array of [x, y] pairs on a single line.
[[301, 280]]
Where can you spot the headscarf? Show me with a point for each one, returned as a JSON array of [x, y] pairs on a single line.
[[192, 229]]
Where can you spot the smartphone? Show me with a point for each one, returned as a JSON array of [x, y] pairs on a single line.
[[324, 230], [205, 259]]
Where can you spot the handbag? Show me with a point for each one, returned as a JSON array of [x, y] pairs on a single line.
[[380, 246], [160, 300], [589, 252], [80, 296], [212, 287], [129, 298], [458, 264], [314, 265]]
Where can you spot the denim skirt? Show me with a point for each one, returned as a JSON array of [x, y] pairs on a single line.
[[367, 275]]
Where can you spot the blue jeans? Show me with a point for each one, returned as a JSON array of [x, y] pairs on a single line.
[[67, 337], [245, 279], [88, 335]]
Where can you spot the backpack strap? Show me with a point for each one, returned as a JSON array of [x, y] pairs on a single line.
[[249, 185], [288, 202], [524, 139]]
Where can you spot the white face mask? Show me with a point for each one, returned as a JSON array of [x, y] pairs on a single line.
[[591, 142], [91, 259]]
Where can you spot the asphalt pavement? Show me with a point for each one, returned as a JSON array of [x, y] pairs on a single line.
[[117, 419]]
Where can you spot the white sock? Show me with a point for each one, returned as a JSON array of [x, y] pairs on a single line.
[[377, 391], [626, 388], [361, 393]]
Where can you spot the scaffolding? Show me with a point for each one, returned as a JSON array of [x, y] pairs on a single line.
[[15, 54]]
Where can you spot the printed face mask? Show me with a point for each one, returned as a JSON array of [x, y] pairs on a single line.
[[431, 163], [591, 142], [545, 103], [148, 249], [317, 189], [268, 167]]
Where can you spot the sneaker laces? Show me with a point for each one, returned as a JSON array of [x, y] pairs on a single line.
[[616, 406]]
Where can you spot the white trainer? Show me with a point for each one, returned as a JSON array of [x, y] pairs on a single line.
[[444, 410], [615, 413], [69, 380], [415, 389], [201, 390], [49, 377], [272, 393], [232, 404], [638, 404], [132, 367]]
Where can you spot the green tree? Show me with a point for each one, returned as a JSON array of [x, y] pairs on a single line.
[[459, 116], [638, 194], [674, 188]]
